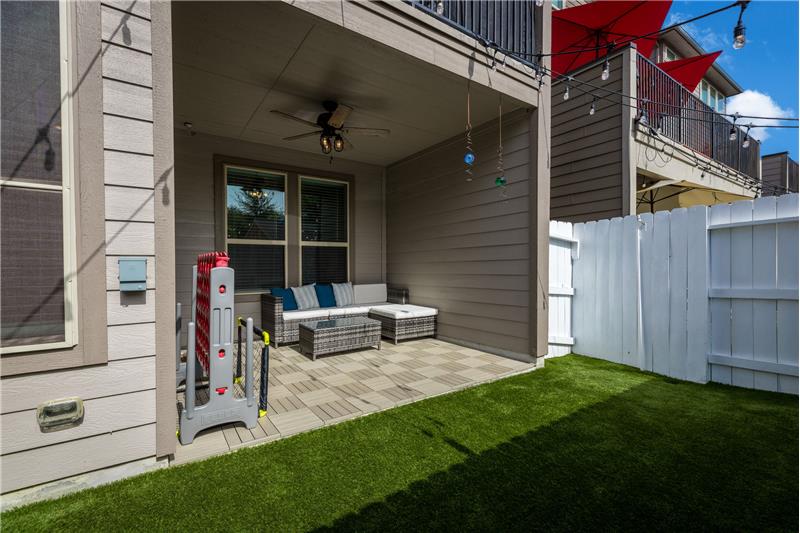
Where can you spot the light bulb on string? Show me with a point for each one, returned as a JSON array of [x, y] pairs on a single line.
[[539, 3], [566, 90], [739, 39], [746, 142], [440, 8], [606, 71], [592, 109]]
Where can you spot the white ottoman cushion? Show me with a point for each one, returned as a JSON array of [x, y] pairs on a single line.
[[400, 311]]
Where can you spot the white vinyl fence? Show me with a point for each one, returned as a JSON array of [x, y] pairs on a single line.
[[563, 250], [698, 294]]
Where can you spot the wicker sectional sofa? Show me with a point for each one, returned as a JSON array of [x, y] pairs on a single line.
[[284, 326]]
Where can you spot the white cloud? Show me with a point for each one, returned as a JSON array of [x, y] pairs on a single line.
[[758, 104]]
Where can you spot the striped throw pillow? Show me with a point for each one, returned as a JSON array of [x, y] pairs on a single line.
[[306, 297], [343, 293]]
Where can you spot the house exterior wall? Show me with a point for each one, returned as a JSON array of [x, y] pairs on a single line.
[[587, 151], [198, 216], [461, 246], [120, 395], [778, 174]]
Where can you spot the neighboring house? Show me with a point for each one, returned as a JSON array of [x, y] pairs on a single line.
[[717, 85], [139, 129], [611, 164], [778, 174]]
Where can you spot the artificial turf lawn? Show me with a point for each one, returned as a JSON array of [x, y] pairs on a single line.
[[581, 444]]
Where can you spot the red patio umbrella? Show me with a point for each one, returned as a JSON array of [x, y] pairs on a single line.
[[689, 71], [604, 23]]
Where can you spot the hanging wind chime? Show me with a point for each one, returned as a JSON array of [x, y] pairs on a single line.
[[500, 181], [469, 155]]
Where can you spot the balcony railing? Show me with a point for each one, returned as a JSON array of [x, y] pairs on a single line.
[[508, 25], [684, 118]]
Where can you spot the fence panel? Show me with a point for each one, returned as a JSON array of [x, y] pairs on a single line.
[[695, 294], [563, 248]]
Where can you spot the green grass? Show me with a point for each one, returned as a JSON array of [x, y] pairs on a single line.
[[579, 445]]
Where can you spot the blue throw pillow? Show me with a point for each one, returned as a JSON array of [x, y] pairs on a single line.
[[325, 294], [289, 303]]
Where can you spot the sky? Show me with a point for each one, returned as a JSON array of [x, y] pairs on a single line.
[[766, 68]]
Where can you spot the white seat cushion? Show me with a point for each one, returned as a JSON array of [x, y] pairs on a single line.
[[308, 314], [355, 309], [404, 311], [369, 294]]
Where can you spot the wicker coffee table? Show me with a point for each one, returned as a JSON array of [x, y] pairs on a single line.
[[321, 337]]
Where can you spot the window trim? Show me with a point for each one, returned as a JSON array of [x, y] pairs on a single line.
[[264, 242], [88, 197], [320, 244], [67, 188]]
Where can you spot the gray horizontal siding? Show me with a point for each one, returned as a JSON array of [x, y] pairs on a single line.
[[461, 247], [586, 154]]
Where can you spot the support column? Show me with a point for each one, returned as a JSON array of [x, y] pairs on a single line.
[[628, 132], [539, 210], [164, 200]]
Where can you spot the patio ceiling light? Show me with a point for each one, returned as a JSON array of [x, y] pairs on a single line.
[[338, 143], [325, 143]]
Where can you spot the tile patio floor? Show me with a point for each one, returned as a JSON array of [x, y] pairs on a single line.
[[305, 394]]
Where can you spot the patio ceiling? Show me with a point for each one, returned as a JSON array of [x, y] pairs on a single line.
[[234, 62]]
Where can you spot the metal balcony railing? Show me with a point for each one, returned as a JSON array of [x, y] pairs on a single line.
[[684, 118], [508, 25]]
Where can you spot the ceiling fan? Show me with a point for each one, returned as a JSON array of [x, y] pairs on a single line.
[[333, 134]]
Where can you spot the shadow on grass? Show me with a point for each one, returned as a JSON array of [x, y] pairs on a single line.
[[650, 458]]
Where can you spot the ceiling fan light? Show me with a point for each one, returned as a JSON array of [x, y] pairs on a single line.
[[338, 143], [325, 143]]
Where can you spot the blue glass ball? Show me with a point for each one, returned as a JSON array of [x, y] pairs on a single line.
[[469, 158]]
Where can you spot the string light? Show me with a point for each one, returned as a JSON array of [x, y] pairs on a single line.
[[733, 134], [746, 143], [606, 71], [592, 109], [566, 90], [539, 3], [739, 39], [440, 8]]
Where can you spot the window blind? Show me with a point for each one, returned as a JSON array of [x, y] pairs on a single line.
[[258, 267], [324, 211], [324, 264], [256, 205]]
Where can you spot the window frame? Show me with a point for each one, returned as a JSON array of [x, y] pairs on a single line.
[[263, 242], [321, 244], [67, 188], [87, 194]]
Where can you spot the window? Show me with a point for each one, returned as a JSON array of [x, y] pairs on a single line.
[[37, 255], [255, 227], [669, 55], [324, 229], [558, 4]]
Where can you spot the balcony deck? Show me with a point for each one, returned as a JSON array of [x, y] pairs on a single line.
[[682, 117], [305, 394]]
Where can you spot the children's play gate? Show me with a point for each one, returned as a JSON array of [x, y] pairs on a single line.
[[211, 352]]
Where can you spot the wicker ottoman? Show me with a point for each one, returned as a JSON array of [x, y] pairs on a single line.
[[339, 335], [400, 322]]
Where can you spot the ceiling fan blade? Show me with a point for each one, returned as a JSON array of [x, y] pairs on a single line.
[[292, 117], [339, 116], [302, 136], [373, 132]]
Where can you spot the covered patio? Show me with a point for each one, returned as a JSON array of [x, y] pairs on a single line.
[[399, 208], [305, 394]]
